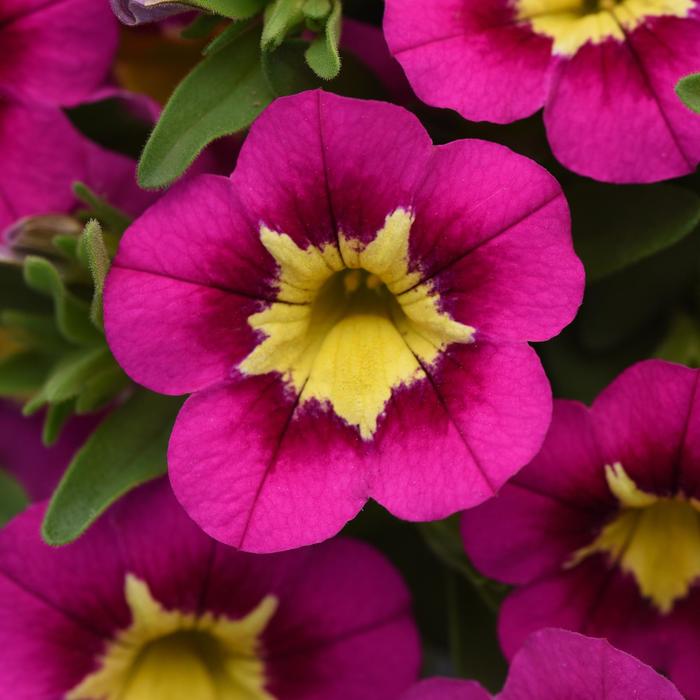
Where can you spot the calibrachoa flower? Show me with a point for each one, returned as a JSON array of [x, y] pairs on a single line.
[[147, 607], [605, 71], [554, 664], [55, 52], [351, 311], [36, 178], [38, 468], [601, 532]]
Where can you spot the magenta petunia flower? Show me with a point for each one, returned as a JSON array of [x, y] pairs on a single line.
[[601, 532], [147, 607], [55, 52], [351, 311], [22, 454], [554, 664], [35, 178], [604, 70]]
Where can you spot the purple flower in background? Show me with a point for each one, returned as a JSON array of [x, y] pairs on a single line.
[[133, 12], [600, 533], [146, 606], [557, 665], [55, 52], [604, 70], [351, 311]]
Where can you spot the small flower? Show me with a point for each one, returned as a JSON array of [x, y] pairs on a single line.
[[604, 70], [351, 311], [601, 532], [555, 664], [146, 606], [55, 53]]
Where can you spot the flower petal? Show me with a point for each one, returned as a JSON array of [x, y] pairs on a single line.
[[471, 56], [450, 441], [492, 231], [259, 472]]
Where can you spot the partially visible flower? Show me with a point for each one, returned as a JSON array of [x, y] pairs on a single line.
[[604, 70], [55, 52], [133, 12], [351, 311], [600, 533], [38, 468], [146, 606], [43, 154], [553, 665]]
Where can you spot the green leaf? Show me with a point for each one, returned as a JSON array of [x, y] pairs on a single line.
[[127, 449], [13, 497], [281, 18], [221, 96], [56, 417], [688, 89], [110, 217], [98, 262], [72, 314], [73, 372], [322, 55], [617, 226], [23, 373]]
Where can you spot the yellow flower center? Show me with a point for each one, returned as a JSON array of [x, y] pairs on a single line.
[[171, 655], [654, 538], [350, 322], [574, 23]]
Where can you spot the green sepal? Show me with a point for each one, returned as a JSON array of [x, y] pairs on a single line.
[[688, 89], [127, 449], [101, 389], [222, 95], [317, 9], [323, 55], [234, 9]]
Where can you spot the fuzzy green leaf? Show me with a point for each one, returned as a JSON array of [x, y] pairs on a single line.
[[617, 226], [101, 389], [127, 449], [688, 89], [317, 9], [98, 262], [235, 9], [72, 314], [323, 55], [221, 96], [281, 18]]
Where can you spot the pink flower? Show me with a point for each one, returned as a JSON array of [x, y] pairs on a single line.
[[147, 606], [56, 52], [605, 71], [600, 533], [350, 311], [556, 664], [36, 179]]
